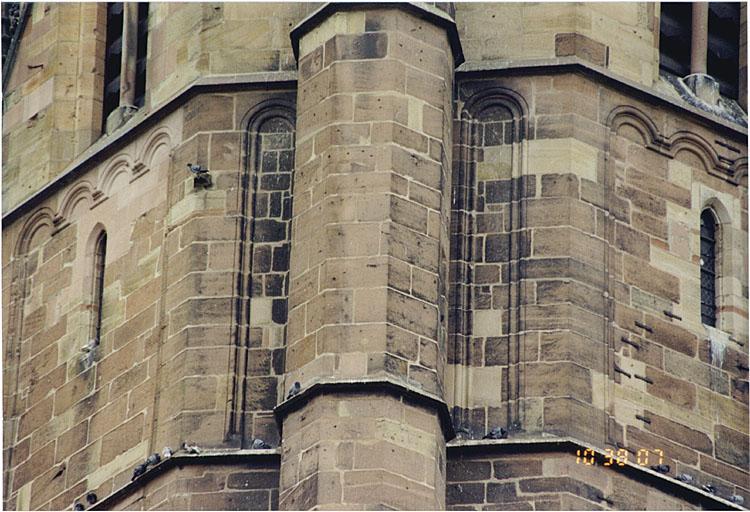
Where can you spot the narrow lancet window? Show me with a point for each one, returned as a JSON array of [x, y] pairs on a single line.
[[100, 252], [708, 268]]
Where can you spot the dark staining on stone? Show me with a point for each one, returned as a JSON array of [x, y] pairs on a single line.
[[279, 311]]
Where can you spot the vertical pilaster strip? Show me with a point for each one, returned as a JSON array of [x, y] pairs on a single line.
[[367, 298]]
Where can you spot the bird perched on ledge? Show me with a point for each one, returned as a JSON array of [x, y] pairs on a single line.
[[463, 433], [709, 488], [259, 444], [661, 468], [201, 178], [139, 470], [191, 448], [153, 459], [166, 452], [91, 497], [294, 390], [684, 477], [496, 433]]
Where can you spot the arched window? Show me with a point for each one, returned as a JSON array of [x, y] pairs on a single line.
[[708, 267], [100, 252]]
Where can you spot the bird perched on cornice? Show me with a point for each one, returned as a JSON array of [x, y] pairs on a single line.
[[200, 175], [496, 433], [259, 444], [661, 468], [463, 433], [91, 498], [684, 477], [737, 499], [191, 448], [166, 452], [78, 506], [153, 459], [139, 470], [294, 390], [709, 488]]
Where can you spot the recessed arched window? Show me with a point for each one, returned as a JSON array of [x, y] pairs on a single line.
[[709, 231], [100, 253]]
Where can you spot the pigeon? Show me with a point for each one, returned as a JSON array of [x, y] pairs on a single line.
[[462, 433], [139, 470], [737, 499], [78, 506], [259, 444], [684, 477], [661, 468], [166, 452], [191, 448], [497, 433], [91, 497], [153, 459], [196, 169], [709, 488], [200, 175], [295, 389]]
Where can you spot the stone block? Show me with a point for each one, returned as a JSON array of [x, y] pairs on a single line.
[[381, 107], [651, 279], [732, 446], [555, 185], [671, 336], [680, 433], [468, 470], [561, 484], [567, 44], [368, 76], [513, 468], [121, 439], [671, 389], [464, 493], [311, 64], [558, 379], [501, 492], [659, 187], [208, 112], [356, 47], [632, 241]]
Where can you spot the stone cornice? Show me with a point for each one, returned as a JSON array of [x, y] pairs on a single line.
[[420, 9], [575, 64], [184, 459], [364, 385], [547, 443]]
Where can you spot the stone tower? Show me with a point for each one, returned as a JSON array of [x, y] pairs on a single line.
[[408, 225]]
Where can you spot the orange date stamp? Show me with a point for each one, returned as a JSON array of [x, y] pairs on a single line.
[[643, 457]]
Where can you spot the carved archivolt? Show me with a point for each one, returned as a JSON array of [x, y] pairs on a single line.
[[83, 190], [41, 218], [682, 140], [492, 104]]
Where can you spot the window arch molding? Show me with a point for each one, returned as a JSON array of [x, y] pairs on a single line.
[[483, 108], [714, 226], [279, 110], [96, 255]]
